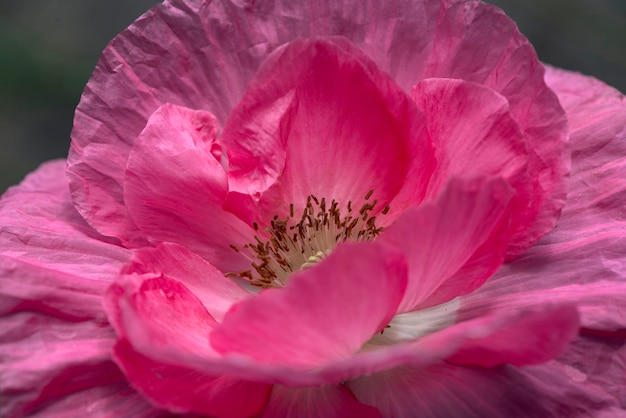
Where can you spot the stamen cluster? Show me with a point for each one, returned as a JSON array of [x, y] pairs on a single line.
[[294, 246]]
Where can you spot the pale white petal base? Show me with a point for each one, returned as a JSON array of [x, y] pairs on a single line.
[[412, 325]]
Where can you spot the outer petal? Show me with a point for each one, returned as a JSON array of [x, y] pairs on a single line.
[[216, 292], [39, 226], [115, 400], [327, 401], [131, 81], [209, 64], [45, 358], [324, 313], [459, 52], [582, 260], [321, 119], [596, 363], [444, 391], [601, 304], [174, 187], [55, 342], [439, 238]]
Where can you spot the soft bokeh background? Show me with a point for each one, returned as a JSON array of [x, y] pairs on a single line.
[[48, 49]]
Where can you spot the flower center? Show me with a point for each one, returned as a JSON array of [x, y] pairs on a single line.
[[292, 246]]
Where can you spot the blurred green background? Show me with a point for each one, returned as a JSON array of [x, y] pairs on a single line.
[[48, 49]]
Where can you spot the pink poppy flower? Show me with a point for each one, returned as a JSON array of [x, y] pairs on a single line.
[[282, 209]]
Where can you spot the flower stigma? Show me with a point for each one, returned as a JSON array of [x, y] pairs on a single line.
[[290, 246]]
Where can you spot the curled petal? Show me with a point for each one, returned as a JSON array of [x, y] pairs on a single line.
[[534, 338], [469, 341], [333, 308], [175, 187], [154, 310], [474, 134], [439, 238], [159, 317], [266, 364], [216, 292]]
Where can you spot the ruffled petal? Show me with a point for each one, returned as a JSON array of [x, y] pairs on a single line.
[[45, 357], [327, 401], [474, 134], [209, 64], [439, 238], [174, 187], [216, 292], [55, 342], [447, 391], [601, 304], [596, 363], [332, 308], [477, 42], [184, 390], [131, 81], [114, 400], [581, 261], [39, 226], [320, 119]]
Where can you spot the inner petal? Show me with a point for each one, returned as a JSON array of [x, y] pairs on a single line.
[[324, 314], [295, 243], [320, 119]]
